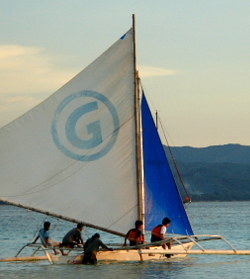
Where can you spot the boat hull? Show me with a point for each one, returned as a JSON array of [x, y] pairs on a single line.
[[153, 253], [123, 255]]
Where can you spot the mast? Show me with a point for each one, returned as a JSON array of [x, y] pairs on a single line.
[[138, 132]]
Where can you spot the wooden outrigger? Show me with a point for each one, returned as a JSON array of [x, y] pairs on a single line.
[[181, 247]]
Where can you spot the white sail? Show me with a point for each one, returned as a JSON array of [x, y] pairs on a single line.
[[74, 154]]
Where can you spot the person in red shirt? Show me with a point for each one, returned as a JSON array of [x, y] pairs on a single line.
[[158, 232], [135, 235]]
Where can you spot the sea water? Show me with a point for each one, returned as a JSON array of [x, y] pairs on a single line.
[[229, 219]]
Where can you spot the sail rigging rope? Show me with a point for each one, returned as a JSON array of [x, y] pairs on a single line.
[[187, 198], [174, 162]]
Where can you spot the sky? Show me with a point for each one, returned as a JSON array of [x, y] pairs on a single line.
[[193, 58]]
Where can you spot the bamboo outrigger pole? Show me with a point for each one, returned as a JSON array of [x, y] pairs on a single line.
[[64, 218], [198, 252]]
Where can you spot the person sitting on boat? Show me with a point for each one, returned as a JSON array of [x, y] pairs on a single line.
[[91, 248], [158, 232], [45, 238], [135, 235], [73, 238]]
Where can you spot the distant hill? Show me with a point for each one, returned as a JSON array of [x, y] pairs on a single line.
[[215, 172], [230, 153]]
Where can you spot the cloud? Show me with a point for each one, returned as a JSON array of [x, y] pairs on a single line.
[[27, 76], [146, 71], [29, 70], [30, 74], [25, 69]]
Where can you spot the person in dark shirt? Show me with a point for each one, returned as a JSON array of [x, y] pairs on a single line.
[[73, 237], [91, 247], [135, 235]]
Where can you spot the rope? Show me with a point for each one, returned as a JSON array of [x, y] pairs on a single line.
[[175, 165]]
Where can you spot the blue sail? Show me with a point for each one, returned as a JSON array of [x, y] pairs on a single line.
[[162, 198]]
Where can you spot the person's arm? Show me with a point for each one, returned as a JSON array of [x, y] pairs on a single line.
[[46, 238], [143, 237], [78, 237], [162, 236], [81, 240], [46, 241], [35, 239], [138, 235], [125, 239], [86, 245], [163, 232], [105, 246]]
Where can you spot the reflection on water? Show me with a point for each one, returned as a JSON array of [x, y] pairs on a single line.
[[229, 219]]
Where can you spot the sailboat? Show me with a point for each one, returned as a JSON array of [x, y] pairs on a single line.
[[91, 153]]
